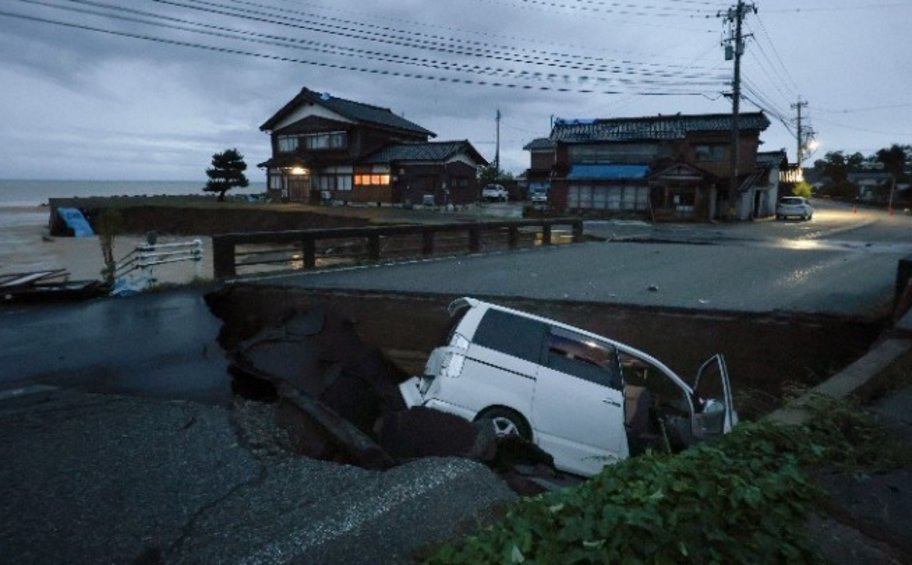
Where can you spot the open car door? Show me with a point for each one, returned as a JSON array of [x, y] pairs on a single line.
[[714, 411]]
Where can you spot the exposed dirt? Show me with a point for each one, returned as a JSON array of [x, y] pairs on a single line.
[[766, 355], [177, 220]]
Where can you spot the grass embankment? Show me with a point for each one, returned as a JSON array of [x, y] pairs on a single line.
[[741, 499]]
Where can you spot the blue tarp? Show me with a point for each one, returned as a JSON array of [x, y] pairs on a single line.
[[608, 172], [74, 220]]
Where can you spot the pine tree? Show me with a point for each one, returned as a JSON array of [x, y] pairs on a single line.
[[226, 172]]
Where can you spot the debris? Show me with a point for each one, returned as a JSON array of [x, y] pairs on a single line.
[[338, 399], [653, 288]]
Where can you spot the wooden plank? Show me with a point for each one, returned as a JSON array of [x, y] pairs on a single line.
[[20, 279]]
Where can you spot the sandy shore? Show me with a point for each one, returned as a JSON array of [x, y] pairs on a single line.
[[25, 246]]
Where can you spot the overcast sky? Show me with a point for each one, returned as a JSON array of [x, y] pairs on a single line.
[[149, 90]]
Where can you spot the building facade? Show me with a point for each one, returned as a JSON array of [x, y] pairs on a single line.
[[665, 167], [326, 148]]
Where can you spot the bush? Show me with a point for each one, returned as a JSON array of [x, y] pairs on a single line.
[[741, 499], [802, 189]]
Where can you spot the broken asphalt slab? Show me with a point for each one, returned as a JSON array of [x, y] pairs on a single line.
[[95, 478]]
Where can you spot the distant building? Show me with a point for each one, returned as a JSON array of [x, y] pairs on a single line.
[[329, 148], [666, 167], [872, 185], [776, 171]]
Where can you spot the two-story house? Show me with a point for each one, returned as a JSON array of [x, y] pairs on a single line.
[[329, 148], [665, 167]]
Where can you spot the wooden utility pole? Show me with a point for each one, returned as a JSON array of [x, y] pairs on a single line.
[[736, 16], [800, 153], [497, 147]]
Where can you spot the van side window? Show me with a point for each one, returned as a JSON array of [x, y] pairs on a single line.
[[583, 357], [511, 334]]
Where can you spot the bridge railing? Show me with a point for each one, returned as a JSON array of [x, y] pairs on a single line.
[[306, 249]]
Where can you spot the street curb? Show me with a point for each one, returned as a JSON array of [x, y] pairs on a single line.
[[865, 378]]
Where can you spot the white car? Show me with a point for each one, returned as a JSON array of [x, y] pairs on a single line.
[[494, 192], [794, 207], [585, 399], [538, 195]]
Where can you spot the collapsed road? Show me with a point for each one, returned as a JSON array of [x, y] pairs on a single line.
[[337, 399], [94, 477]]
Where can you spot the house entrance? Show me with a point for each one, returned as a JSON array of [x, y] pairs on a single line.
[[298, 187]]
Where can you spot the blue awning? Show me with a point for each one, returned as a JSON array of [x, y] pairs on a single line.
[[608, 172]]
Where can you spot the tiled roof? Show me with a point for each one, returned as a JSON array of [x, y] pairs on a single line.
[[356, 111], [539, 143], [771, 157], [431, 151], [651, 128]]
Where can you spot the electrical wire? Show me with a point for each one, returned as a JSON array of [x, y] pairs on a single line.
[[320, 47], [323, 64], [399, 37]]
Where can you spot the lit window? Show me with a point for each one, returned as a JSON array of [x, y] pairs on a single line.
[[372, 180]]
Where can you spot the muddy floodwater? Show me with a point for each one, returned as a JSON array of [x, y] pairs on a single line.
[[767, 355]]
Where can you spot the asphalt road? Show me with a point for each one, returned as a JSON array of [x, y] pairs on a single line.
[[825, 266], [90, 478], [158, 344]]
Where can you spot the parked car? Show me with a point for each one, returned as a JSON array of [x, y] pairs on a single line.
[[494, 192], [585, 399], [794, 207], [538, 195]]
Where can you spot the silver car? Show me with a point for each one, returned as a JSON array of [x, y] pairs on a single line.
[[793, 207]]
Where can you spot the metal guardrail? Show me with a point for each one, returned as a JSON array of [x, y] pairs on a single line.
[[146, 256], [303, 243]]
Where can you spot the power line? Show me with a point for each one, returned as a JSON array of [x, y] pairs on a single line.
[[374, 17], [382, 37], [776, 53], [865, 109], [285, 42], [865, 130], [323, 64], [520, 4]]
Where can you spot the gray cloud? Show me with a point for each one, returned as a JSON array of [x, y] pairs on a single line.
[[84, 104]]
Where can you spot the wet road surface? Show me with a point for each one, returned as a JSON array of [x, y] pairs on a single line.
[[159, 344]]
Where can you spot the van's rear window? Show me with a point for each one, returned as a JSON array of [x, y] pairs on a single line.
[[511, 334]]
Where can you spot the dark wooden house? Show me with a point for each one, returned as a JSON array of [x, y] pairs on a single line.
[[667, 167], [329, 148]]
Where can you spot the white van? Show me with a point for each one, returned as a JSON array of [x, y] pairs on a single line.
[[585, 399]]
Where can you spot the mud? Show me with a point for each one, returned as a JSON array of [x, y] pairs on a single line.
[[768, 356]]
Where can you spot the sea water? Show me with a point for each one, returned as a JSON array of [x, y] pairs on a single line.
[[23, 221], [28, 193]]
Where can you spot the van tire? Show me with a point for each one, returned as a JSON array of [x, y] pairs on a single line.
[[507, 422]]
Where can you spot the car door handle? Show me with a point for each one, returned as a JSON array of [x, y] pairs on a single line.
[[611, 402]]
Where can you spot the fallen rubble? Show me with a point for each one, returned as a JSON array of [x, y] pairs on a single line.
[[335, 398]]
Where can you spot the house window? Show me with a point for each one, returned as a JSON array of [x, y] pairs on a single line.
[[332, 140], [313, 141], [714, 152], [287, 143], [333, 182], [372, 180]]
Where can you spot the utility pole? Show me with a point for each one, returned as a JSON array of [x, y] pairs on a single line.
[[800, 133], [735, 49], [497, 149]]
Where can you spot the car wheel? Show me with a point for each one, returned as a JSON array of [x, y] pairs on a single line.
[[507, 422]]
